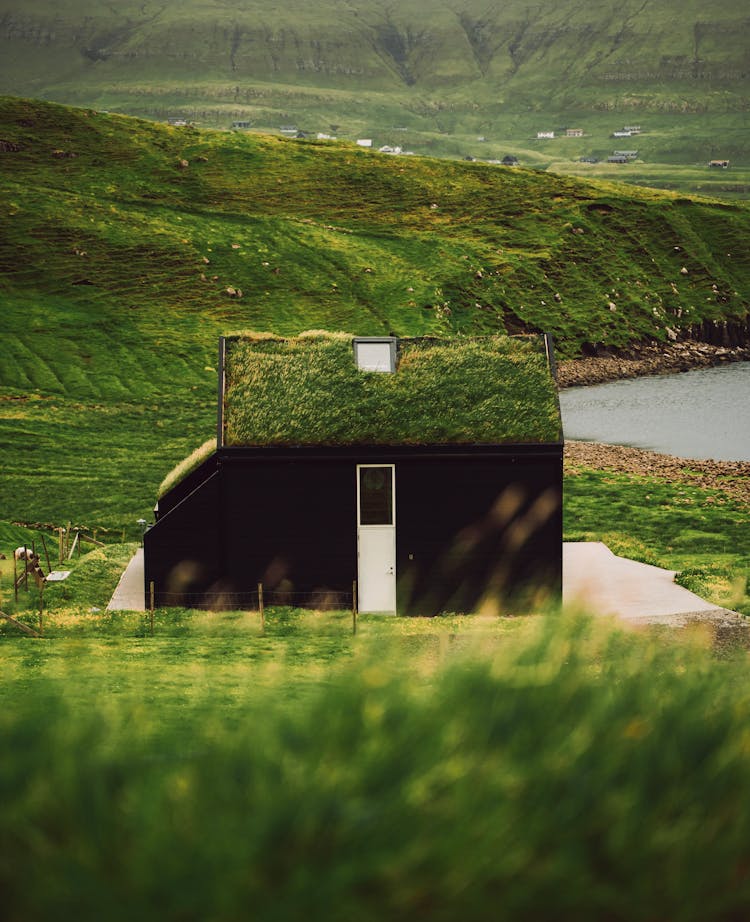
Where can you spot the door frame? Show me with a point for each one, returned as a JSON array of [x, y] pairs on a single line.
[[391, 527]]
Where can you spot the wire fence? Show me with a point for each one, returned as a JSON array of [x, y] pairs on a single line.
[[257, 600]]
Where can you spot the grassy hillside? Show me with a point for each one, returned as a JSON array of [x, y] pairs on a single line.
[[127, 247], [431, 75]]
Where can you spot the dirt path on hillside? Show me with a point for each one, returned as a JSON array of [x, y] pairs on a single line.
[[731, 477]]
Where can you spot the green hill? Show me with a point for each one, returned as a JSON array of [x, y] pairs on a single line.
[[431, 75], [127, 247]]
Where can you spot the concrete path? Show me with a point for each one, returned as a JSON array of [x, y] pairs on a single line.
[[592, 577], [609, 585], [130, 594]]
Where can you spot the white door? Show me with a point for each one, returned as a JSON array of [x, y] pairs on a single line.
[[376, 538]]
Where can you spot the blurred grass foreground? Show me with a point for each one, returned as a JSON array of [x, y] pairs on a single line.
[[558, 770]]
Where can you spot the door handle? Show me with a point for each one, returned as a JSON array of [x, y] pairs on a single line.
[[389, 571]]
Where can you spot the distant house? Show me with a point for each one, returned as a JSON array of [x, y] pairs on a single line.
[[574, 132], [322, 136], [241, 126], [387, 149], [364, 142], [588, 160], [628, 154], [618, 158], [178, 122], [633, 129], [427, 470], [509, 160], [544, 135], [622, 134], [289, 130], [719, 164]]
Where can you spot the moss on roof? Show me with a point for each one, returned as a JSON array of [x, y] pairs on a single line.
[[187, 466], [307, 390]]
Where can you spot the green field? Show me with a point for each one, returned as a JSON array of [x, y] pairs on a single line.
[[428, 768]]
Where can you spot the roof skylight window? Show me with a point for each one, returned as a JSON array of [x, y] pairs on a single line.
[[375, 353]]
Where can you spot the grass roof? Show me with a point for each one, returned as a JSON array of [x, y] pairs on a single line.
[[307, 390]]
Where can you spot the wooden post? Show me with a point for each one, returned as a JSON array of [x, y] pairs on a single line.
[[151, 604], [20, 625], [261, 609], [60, 546], [46, 554], [73, 546], [354, 607], [25, 567], [41, 608], [15, 577]]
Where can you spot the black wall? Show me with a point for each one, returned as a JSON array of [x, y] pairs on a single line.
[[182, 553], [484, 532], [290, 524], [472, 528]]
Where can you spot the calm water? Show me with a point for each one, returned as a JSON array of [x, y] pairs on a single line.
[[696, 414]]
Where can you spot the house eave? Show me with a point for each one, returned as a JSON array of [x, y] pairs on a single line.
[[392, 452]]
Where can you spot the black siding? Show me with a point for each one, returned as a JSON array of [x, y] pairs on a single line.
[[182, 552], [473, 527], [478, 533], [290, 525]]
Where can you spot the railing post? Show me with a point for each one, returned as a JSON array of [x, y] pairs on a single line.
[[151, 605], [354, 607]]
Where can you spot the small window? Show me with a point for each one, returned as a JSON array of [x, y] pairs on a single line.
[[374, 353], [376, 495]]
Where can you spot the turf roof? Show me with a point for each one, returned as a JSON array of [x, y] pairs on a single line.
[[307, 390]]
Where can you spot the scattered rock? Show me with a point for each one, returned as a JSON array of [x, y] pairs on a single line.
[[729, 477], [9, 147], [647, 359], [183, 164]]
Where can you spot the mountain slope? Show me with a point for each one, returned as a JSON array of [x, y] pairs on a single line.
[[425, 43], [127, 247], [429, 65]]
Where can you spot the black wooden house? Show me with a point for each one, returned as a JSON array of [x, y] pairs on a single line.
[[427, 470]]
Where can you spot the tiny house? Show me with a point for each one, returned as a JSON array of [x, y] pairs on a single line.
[[426, 471]]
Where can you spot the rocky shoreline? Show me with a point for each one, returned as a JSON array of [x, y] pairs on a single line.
[[729, 477], [648, 359]]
